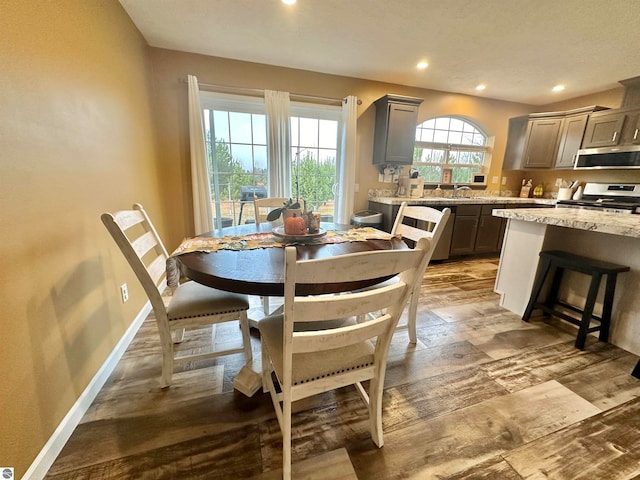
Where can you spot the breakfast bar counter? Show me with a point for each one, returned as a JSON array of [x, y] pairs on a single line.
[[613, 237]]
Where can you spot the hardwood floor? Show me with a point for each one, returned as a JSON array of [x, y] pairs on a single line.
[[482, 395]]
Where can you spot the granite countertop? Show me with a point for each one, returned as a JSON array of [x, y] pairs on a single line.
[[461, 200], [627, 225]]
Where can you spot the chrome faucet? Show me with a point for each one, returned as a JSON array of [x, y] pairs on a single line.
[[457, 189]]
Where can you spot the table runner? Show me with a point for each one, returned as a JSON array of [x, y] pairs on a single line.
[[263, 240]]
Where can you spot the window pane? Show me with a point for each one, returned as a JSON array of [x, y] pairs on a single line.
[[427, 135], [243, 155], [328, 134], [457, 125], [308, 132], [260, 158], [427, 155], [240, 127], [259, 123], [455, 137], [221, 125], [441, 136], [442, 123], [430, 173]]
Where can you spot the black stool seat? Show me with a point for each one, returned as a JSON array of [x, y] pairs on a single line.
[[560, 260]]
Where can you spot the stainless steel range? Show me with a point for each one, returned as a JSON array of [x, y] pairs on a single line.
[[607, 197]]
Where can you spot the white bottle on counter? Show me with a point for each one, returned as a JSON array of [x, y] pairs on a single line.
[[437, 192], [578, 194]]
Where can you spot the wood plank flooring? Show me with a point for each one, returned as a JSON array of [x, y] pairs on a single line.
[[482, 395]]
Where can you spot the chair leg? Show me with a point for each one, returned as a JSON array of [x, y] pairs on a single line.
[[375, 411], [178, 336], [246, 340], [588, 310], [167, 368], [265, 305], [286, 440], [266, 367], [412, 320]]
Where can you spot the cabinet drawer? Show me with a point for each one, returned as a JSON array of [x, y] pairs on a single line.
[[468, 209]]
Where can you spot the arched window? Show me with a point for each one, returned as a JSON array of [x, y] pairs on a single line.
[[449, 150]]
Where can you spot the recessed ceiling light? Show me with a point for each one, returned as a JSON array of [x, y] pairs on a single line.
[[481, 87], [558, 88], [422, 65], [289, 2]]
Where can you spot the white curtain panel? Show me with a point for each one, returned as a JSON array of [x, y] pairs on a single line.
[[202, 213], [347, 162], [277, 107]]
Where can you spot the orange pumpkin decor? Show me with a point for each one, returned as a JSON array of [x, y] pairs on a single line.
[[295, 225]]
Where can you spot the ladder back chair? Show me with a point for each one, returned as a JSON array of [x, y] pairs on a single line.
[[422, 222], [263, 206], [192, 305], [317, 345]]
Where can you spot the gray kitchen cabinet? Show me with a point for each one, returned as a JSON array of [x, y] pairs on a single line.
[[604, 129], [546, 140], [490, 230], [571, 136], [541, 143], [395, 130], [515, 143], [631, 135], [611, 128], [465, 228], [389, 213]]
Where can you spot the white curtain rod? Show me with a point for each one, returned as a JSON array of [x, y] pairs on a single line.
[[260, 92]]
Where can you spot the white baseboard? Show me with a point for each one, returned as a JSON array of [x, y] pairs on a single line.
[[57, 441]]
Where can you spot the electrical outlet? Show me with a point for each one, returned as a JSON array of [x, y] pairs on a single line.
[[494, 179], [504, 180], [124, 292], [558, 182]]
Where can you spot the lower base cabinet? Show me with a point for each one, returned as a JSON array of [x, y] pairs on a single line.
[[471, 228]]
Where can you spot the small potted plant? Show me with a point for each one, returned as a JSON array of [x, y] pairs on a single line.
[[294, 221], [288, 209]]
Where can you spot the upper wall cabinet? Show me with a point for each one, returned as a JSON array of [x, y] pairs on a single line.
[[541, 142], [613, 127], [545, 140], [571, 134], [395, 133]]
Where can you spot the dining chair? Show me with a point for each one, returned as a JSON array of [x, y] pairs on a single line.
[[317, 345], [191, 305], [262, 207], [413, 223]]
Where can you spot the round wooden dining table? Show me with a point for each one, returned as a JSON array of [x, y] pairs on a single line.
[[260, 271]]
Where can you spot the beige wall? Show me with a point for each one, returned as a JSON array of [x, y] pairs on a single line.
[[77, 139]]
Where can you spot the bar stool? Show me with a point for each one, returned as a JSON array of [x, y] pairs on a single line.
[[561, 261]]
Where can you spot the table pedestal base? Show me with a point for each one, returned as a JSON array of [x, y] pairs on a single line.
[[247, 381]]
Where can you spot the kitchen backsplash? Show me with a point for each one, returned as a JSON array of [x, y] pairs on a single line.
[[391, 192]]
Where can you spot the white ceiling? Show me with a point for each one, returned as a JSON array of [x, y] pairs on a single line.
[[519, 48]]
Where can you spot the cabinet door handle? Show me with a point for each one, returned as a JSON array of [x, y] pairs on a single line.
[[635, 135], [615, 134]]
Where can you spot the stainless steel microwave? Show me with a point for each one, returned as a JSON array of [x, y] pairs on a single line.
[[623, 157]]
